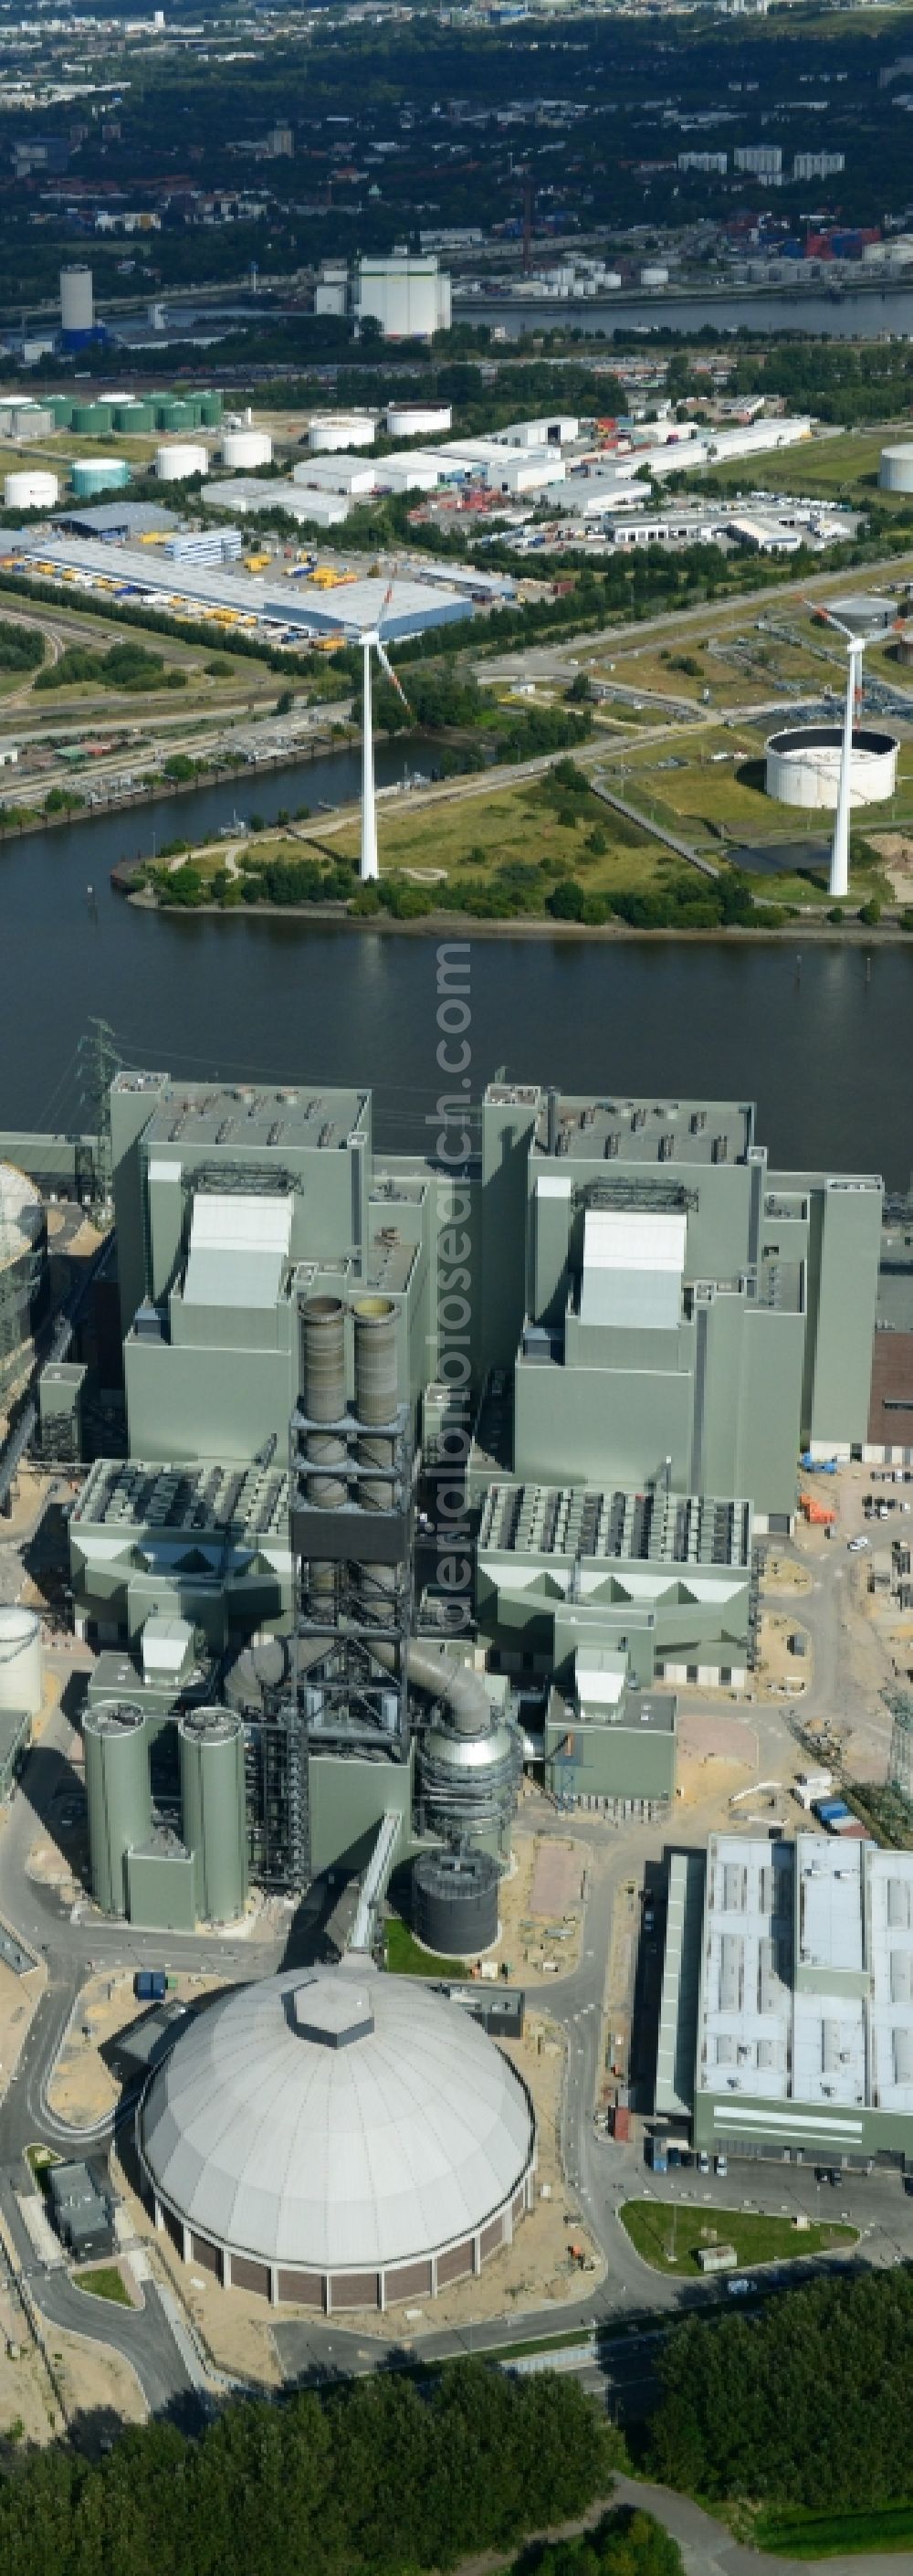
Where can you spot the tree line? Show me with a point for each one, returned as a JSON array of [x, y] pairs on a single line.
[[806, 2403], [383, 2476]]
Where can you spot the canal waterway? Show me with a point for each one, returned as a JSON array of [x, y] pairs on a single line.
[[823, 1046], [842, 313]]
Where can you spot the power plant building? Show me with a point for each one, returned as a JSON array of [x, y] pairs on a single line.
[[339, 2139], [658, 1321], [786, 2026]]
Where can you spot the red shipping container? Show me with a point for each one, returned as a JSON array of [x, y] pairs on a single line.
[[621, 2122]]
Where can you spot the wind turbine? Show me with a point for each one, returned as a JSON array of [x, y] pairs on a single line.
[[370, 640], [839, 880]]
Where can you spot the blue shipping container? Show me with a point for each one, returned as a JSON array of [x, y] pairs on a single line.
[[149, 1985]]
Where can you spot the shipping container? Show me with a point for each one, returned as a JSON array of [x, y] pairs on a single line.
[[621, 2123], [149, 1985]]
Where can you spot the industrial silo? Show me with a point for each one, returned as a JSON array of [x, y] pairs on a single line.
[[91, 417], [133, 419], [210, 410], [92, 474], [118, 1795], [20, 1660], [172, 413], [176, 464], [211, 1742], [455, 1902]]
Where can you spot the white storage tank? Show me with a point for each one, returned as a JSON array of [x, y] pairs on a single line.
[[654, 276], [77, 309], [30, 491], [803, 765], [418, 420], [177, 463], [333, 430], [243, 448], [20, 1660], [895, 472]]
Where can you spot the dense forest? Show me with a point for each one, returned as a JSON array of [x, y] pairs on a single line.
[[381, 2477], [626, 2544], [807, 2403]]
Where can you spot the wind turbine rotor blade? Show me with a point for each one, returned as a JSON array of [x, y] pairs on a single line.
[[387, 667]]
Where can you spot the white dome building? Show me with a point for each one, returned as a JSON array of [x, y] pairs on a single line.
[[338, 2138]]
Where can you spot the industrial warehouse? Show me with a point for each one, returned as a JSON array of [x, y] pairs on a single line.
[[787, 2004]]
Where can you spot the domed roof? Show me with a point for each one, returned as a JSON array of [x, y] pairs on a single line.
[[336, 2119]]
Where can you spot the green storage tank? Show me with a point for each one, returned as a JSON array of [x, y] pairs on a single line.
[[134, 419], [172, 414], [62, 406], [92, 474], [118, 1795], [160, 1884], [211, 1745], [91, 416], [210, 410]]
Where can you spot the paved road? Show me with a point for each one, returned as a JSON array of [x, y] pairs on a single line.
[[707, 2549]]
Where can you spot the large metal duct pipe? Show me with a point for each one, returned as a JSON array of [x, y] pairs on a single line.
[[376, 1389], [376, 1397], [461, 1693], [323, 1358], [323, 1355]]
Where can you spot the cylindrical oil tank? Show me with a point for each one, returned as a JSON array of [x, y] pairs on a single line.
[[30, 491], [654, 275], [455, 1902], [336, 430], [91, 474], [118, 1795], [20, 1660], [895, 471], [133, 419], [210, 409], [211, 1745], [244, 448], [176, 464], [93, 417], [63, 407], [173, 413], [803, 765]]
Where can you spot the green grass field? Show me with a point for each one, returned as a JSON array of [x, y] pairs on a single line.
[[839, 465], [406, 1959], [668, 2236], [793, 2533], [518, 822], [105, 2283]]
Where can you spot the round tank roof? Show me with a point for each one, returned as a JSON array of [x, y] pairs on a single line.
[[337, 2119]]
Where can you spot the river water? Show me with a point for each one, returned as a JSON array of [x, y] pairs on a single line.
[[844, 314], [823, 1047]]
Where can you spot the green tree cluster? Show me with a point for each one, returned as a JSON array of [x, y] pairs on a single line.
[[21, 647], [378, 2477], [806, 2403], [124, 666], [626, 2544]]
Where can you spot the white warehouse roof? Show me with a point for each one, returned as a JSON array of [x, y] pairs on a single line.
[[336, 2119]]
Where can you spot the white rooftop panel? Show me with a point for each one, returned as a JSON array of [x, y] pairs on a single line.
[[632, 1268], [238, 1249]]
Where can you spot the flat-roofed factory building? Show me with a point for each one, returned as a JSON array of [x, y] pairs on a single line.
[[786, 2025]]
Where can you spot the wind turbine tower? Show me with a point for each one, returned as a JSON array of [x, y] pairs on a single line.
[[839, 881], [371, 642]]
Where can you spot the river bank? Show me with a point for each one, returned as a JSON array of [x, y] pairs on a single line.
[[465, 925]]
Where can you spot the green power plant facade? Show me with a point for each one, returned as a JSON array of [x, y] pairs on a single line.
[[651, 1323]]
